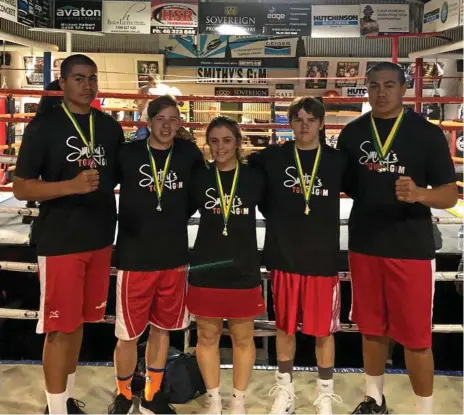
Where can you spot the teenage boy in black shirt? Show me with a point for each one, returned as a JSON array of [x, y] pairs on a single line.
[[302, 211], [399, 167], [152, 250], [67, 162]]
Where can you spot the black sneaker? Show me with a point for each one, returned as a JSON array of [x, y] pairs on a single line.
[[369, 406], [159, 405], [73, 405], [121, 405]]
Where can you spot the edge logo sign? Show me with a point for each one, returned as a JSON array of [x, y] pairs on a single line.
[[78, 15]]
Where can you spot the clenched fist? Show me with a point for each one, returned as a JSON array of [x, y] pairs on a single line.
[[85, 182], [407, 191]]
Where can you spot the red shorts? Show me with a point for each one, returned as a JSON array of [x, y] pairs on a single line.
[[73, 289], [150, 297], [312, 301], [393, 297], [223, 302]]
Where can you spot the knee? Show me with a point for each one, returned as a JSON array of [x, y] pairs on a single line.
[[242, 340], [127, 345], [208, 338]]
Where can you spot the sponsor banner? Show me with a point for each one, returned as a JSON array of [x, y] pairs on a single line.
[[8, 10], [313, 71], [262, 47], [286, 19], [284, 91], [335, 21], [85, 15], [178, 46], [231, 75], [241, 92], [440, 15], [291, 63], [174, 18], [34, 68], [34, 13], [126, 17], [381, 19], [229, 19], [354, 92], [145, 68], [347, 70]]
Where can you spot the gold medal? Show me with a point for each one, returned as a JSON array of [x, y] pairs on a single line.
[[307, 190], [382, 151], [226, 205], [159, 184]]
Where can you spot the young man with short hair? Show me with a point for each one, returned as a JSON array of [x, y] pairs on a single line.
[[152, 251], [399, 166], [67, 162], [302, 212]]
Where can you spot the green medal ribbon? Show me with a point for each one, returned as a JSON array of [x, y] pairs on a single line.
[[226, 206], [90, 146], [159, 184], [307, 190], [382, 151]]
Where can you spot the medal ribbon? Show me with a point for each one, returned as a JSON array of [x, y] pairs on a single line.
[[91, 145], [307, 190], [382, 151], [159, 184], [226, 206]]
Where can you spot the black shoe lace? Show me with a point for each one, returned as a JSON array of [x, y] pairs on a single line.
[[117, 407], [76, 404]]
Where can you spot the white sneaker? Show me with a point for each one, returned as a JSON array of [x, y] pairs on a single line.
[[214, 405], [238, 405], [284, 402], [323, 403]]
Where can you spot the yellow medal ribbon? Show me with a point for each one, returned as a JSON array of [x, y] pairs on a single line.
[[226, 205], [382, 151], [90, 146], [159, 184], [307, 190]]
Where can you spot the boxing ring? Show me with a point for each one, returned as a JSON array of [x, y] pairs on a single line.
[[95, 381]]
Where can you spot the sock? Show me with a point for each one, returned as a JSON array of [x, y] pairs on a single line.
[[374, 388], [124, 386], [153, 379], [215, 393], [424, 405], [238, 394], [325, 373], [70, 385], [286, 366], [57, 403]]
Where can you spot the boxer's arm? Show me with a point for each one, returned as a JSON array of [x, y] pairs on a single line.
[[40, 191]]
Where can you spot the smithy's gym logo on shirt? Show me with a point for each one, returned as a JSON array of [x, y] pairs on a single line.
[[82, 155], [370, 159], [214, 203], [170, 183], [294, 182]]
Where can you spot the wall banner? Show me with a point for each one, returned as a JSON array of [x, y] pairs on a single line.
[[231, 75], [241, 92], [440, 15], [382, 19], [83, 15], [174, 18], [8, 10], [335, 21], [126, 17], [262, 46], [35, 13]]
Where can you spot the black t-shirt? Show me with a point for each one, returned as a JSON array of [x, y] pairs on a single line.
[[148, 239], [379, 224], [240, 245], [295, 242], [52, 150]]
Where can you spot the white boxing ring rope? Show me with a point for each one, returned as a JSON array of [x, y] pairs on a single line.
[[263, 328]]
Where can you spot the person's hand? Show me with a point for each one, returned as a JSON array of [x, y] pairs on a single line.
[[407, 191], [85, 182]]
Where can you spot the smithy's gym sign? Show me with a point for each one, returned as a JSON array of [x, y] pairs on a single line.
[[231, 75]]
